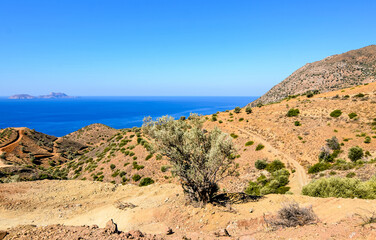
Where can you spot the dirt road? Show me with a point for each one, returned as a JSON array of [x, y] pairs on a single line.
[[299, 178]]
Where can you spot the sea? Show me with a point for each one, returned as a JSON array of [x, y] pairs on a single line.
[[59, 117]]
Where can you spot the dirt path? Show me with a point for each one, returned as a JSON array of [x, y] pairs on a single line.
[[20, 133], [299, 178]]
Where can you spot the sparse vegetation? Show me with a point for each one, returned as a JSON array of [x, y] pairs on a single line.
[[248, 110], [249, 143], [237, 110]]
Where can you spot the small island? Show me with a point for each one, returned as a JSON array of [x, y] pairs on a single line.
[[52, 95]]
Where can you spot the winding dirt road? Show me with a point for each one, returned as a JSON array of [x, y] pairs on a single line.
[[20, 133], [299, 178], [11, 145]]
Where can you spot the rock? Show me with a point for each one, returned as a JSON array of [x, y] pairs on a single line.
[[3, 234], [134, 234], [94, 226], [169, 231], [222, 233], [111, 227], [251, 210]]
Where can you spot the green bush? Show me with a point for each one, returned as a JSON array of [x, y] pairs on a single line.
[[355, 153], [149, 156], [112, 166], [367, 139], [146, 181], [261, 164], [234, 136], [237, 110], [297, 123], [293, 112], [164, 168], [136, 177], [352, 115], [249, 143], [136, 166], [333, 143], [248, 110], [336, 113], [318, 167], [241, 119], [275, 166], [259, 147], [275, 184], [350, 175], [341, 187]]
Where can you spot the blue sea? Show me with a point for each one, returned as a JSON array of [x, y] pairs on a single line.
[[59, 117]]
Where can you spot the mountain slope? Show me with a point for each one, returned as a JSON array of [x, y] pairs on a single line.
[[332, 73]]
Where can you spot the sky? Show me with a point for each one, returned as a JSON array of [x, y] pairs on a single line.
[[171, 47]]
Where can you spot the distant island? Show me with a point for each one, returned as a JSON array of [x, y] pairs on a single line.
[[52, 95]]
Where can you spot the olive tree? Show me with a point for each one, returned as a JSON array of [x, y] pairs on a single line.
[[200, 158]]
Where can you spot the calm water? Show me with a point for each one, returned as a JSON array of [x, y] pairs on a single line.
[[59, 117]]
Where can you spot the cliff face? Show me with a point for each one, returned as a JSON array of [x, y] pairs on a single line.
[[332, 73]]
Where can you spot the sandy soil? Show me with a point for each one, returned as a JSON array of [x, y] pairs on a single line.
[[159, 207]]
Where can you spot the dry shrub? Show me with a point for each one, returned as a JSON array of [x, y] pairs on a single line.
[[292, 215], [371, 218], [124, 205]]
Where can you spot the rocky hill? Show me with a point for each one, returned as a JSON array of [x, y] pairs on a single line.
[[332, 73], [52, 95], [26, 153]]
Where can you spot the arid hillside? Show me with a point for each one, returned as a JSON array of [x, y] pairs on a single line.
[[298, 140], [332, 73], [127, 156]]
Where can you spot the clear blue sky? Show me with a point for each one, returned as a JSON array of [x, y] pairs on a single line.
[[171, 47]]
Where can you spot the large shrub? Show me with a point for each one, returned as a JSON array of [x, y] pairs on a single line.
[[341, 187], [333, 143], [275, 165], [261, 164], [336, 113], [355, 153], [237, 110], [352, 115], [146, 181], [318, 167], [200, 158], [293, 112], [248, 110]]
